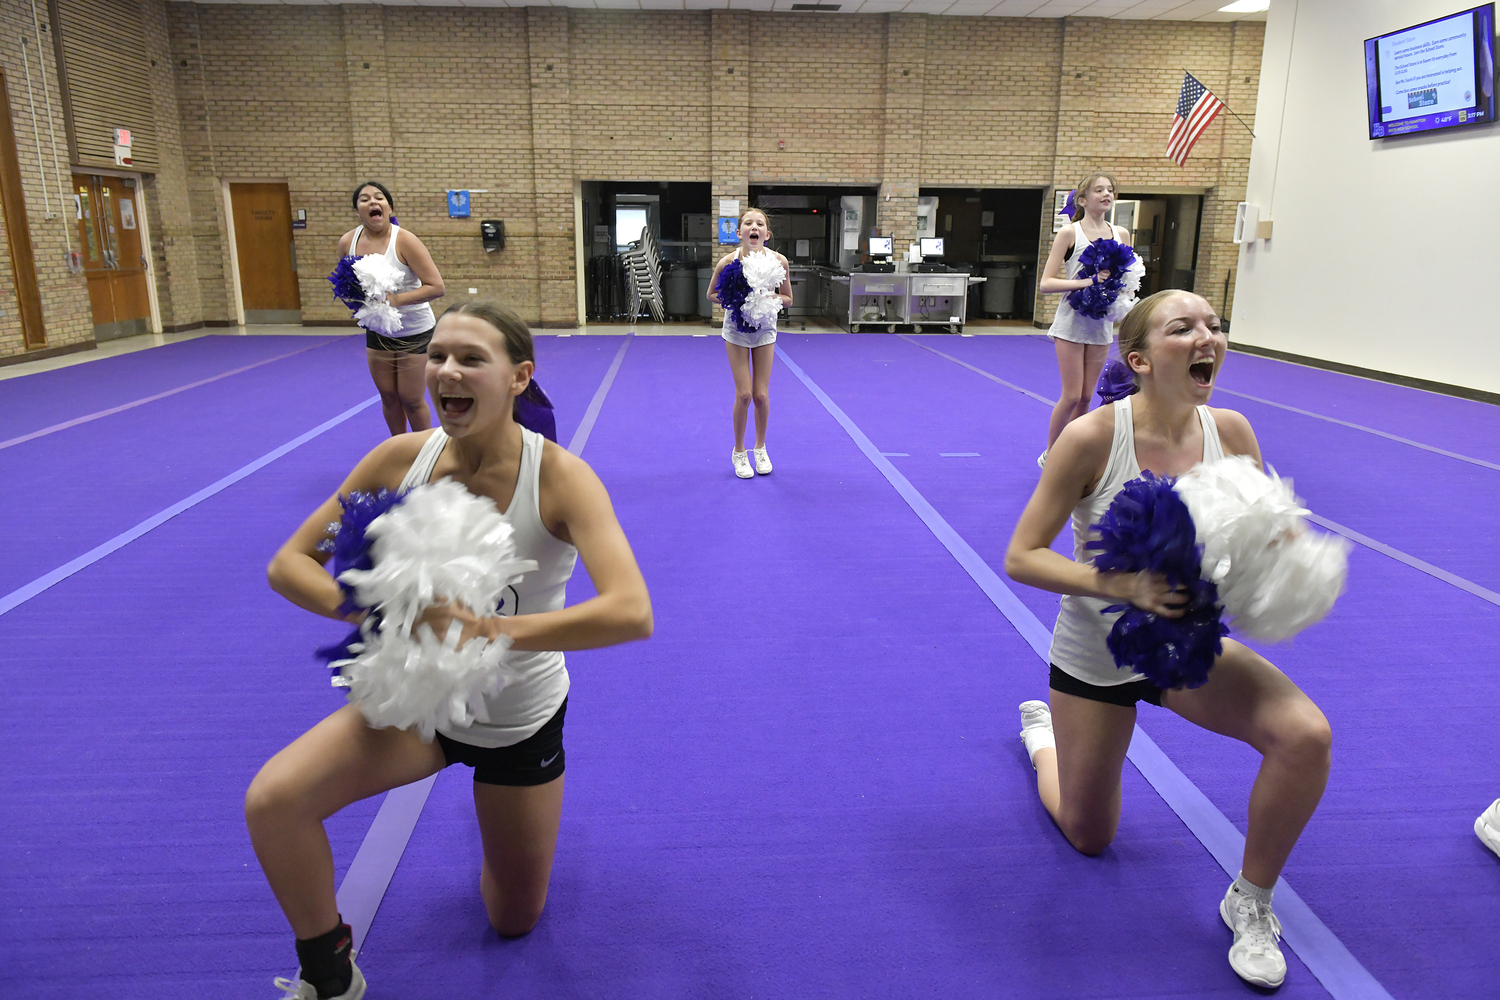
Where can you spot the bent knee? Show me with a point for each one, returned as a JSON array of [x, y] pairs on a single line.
[[267, 799], [1087, 838]]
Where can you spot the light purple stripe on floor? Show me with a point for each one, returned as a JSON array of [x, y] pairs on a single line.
[[1368, 430], [41, 583], [86, 418], [980, 371], [1323, 954], [586, 426]]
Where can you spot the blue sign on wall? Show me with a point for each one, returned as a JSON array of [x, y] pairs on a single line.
[[729, 229], [458, 204]]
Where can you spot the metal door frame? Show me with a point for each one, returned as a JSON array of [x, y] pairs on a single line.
[[143, 223]]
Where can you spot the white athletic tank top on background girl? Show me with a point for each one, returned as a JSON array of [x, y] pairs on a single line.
[[1078, 638], [534, 696], [1067, 324], [417, 318]]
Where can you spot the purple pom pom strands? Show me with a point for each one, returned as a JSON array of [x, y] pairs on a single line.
[[1149, 529], [733, 289], [345, 282], [351, 550], [1116, 381], [1101, 255]]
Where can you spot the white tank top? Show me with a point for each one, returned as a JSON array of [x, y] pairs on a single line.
[[416, 318], [527, 702], [1078, 638], [1067, 324]]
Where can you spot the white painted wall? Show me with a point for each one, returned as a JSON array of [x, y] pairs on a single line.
[[1385, 253]]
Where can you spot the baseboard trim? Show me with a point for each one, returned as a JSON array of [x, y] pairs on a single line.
[[329, 322], [1442, 388], [182, 327], [41, 354]]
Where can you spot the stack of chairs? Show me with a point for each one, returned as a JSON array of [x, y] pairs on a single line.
[[642, 264]]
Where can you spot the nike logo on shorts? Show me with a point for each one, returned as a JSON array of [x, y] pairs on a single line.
[[549, 760]]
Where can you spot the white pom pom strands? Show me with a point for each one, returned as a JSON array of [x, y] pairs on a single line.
[[1275, 576], [441, 544], [764, 274], [1126, 300], [378, 277]]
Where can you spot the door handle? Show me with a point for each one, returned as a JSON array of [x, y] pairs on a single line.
[[143, 261]]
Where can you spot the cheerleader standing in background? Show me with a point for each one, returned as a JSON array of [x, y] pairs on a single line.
[[1082, 343], [1172, 342], [481, 361], [750, 354], [397, 362]]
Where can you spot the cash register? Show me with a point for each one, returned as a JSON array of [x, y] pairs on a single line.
[[881, 249], [930, 248]]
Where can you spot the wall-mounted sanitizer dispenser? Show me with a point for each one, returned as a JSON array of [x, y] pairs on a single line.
[[492, 234], [1246, 222]]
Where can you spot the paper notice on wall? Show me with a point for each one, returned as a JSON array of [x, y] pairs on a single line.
[[127, 213], [851, 240], [804, 249], [729, 207]]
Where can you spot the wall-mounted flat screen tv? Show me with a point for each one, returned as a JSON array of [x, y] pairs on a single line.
[[1436, 75]]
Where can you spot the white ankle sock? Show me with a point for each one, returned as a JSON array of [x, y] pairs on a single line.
[[1035, 739], [1247, 888]]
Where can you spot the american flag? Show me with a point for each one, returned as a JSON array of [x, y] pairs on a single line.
[[1196, 107]]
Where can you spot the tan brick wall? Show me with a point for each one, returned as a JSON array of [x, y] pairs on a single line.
[[520, 103], [46, 181]]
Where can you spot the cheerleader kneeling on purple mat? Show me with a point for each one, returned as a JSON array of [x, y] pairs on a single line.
[[1174, 346], [479, 361]]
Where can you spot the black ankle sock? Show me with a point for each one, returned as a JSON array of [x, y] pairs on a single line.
[[325, 961]]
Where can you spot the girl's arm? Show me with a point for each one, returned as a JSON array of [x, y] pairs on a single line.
[[1073, 467], [1050, 282], [785, 291], [576, 508], [296, 571], [713, 282], [1122, 235], [415, 256], [344, 242]]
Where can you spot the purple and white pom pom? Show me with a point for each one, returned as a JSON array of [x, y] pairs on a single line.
[[764, 274], [441, 544]]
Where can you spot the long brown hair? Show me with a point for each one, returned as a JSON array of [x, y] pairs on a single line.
[[1083, 187], [513, 329]]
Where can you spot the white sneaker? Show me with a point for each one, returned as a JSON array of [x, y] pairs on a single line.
[[762, 462], [1041, 460], [742, 464], [301, 989], [1036, 728], [1487, 826], [1255, 955]]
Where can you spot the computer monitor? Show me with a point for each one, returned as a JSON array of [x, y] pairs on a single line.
[[931, 246], [882, 246]]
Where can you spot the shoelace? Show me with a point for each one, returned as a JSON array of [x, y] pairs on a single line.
[[294, 989], [1261, 928]]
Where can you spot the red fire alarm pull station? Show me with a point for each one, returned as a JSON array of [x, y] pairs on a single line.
[[122, 147]]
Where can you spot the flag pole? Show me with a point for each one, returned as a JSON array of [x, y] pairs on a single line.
[[1226, 107]]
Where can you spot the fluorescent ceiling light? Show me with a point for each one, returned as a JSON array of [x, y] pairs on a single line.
[[1245, 7]]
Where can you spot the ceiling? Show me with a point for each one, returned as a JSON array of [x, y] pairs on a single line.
[[1164, 10]]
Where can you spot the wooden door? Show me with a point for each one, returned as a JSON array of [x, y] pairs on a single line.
[[18, 231], [263, 248], [108, 217]]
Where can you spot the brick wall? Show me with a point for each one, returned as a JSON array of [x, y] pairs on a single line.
[[519, 104]]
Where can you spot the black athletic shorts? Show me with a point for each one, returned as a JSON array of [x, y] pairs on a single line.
[[536, 760], [415, 344], [1124, 695]]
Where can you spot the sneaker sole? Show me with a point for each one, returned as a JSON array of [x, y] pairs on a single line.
[[1262, 983]]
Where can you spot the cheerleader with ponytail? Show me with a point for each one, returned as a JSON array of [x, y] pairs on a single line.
[[1174, 527]]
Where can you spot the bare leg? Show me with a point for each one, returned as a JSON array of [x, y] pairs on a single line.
[[1079, 782], [518, 826], [739, 367], [383, 368], [1071, 393], [1249, 699], [760, 391], [411, 386], [338, 761], [1094, 356]]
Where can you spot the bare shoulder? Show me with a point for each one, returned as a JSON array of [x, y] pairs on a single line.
[[562, 470], [1235, 432], [1090, 436], [1064, 237], [345, 241], [1122, 234], [784, 262], [388, 462], [727, 257]]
